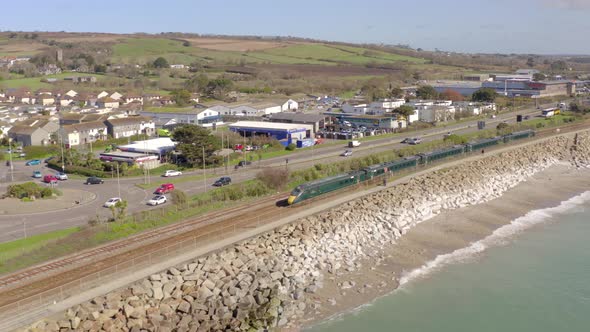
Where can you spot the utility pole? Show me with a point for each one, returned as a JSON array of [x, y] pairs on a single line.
[[118, 181], [25, 228], [10, 157], [204, 174]]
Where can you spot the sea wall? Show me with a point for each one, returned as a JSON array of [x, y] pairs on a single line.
[[265, 282]]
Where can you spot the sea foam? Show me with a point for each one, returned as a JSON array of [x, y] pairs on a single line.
[[498, 237]]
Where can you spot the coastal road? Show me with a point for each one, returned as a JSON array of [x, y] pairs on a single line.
[[30, 222]]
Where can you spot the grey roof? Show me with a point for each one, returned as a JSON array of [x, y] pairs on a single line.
[[298, 117]]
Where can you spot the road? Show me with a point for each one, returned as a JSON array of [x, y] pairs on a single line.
[[14, 226]]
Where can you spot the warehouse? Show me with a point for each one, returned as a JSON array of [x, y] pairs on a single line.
[[157, 146], [280, 131], [318, 121]]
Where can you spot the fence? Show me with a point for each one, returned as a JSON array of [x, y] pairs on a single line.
[[95, 279]]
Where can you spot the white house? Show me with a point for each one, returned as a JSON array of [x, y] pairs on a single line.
[[387, 104], [434, 114], [45, 100], [290, 105], [474, 108], [177, 66], [361, 109], [268, 108], [116, 96], [102, 95], [243, 110], [71, 93]]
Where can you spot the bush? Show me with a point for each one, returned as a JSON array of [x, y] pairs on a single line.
[[540, 125], [291, 147], [179, 198], [456, 139], [39, 152], [28, 190], [274, 178]]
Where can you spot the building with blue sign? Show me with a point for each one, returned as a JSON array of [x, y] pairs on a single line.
[[280, 131]]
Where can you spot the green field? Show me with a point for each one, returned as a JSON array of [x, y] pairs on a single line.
[[34, 83]]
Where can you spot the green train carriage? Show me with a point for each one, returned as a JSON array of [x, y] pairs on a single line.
[[429, 157], [323, 186], [481, 144]]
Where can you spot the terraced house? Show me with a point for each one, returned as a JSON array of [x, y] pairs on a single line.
[[127, 127], [84, 133]]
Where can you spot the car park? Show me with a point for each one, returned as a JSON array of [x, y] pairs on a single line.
[[346, 153], [37, 174], [61, 176], [33, 162], [112, 202], [222, 181], [50, 179], [164, 188], [157, 200], [94, 180], [172, 172]]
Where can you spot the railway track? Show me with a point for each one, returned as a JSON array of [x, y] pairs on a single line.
[[47, 276], [36, 280]]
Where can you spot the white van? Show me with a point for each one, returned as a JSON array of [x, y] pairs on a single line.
[[353, 144]]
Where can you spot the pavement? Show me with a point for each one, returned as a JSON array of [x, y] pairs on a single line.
[[11, 228]]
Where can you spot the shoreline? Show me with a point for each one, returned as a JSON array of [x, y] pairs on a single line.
[[349, 290]]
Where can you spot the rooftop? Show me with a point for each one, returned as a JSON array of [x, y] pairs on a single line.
[[268, 125]]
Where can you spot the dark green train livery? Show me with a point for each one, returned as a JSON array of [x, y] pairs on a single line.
[[319, 187]]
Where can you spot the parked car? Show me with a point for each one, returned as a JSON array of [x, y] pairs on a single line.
[[354, 144], [22, 154], [157, 200], [94, 180], [414, 141], [37, 174], [172, 172], [50, 179], [346, 153], [61, 176], [112, 202], [222, 181], [243, 163], [164, 188], [33, 162]]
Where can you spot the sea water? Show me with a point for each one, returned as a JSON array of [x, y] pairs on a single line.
[[531, 275]]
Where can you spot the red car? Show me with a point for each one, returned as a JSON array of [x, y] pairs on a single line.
[[164, 188], [50, 179]]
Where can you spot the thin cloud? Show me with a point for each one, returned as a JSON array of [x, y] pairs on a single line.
[[568, 4]]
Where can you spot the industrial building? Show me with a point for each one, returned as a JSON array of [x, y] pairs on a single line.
[[279, 131], [318, 121]]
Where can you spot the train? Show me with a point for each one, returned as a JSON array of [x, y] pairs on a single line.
[[323, 186]]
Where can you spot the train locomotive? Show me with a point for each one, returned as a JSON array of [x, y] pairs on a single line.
[[320, 187]]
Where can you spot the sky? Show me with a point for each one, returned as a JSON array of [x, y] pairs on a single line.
[[489, 26]]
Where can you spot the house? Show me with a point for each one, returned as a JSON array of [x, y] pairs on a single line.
[[107, 102], [290, 105], [133, 125], [102, 94], [317, 120], [265, 108], [177, 66], [84, 133], [386, 105], [359, 109], [474, 108], [75, 118], [45, 99], [34, 131], [201, 117], [66, 101], [129, 98], [71, 93], [527, 72], [242, 110], [116, 96], [86, 99], [434, 114]]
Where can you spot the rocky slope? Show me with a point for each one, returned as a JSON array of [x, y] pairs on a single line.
[[263, 282]]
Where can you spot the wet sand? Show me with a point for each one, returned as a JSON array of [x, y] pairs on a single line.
[[380, 274]]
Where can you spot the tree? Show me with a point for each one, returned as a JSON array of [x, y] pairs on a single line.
[[181, 97], [539, 77], [100, 68], [426, 92], [197, 83], [559, 65], [453, 95], [530, 62], [484, 95], [192, 140], [217, 88], [161, 63], [396, 93], [404, 111]]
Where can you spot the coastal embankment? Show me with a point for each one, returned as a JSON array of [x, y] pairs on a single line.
[[337, 260]]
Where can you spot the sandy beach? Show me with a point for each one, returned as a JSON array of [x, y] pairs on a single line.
[[451, 230]]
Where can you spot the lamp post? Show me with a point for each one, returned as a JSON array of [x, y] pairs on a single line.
[[204, 174], [10, 157], [118, 181]]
